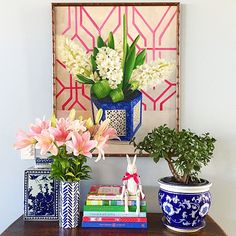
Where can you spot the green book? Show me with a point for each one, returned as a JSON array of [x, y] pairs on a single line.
[[113, 208]]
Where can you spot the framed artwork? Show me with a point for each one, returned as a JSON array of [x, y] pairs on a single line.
[[157, 25]]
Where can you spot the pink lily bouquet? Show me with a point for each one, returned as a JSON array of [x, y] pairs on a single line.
[[70, 142]]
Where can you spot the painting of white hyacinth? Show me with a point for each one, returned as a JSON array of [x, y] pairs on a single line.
[[122, 58]]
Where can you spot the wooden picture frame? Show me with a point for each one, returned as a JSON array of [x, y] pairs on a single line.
[[158, 25]]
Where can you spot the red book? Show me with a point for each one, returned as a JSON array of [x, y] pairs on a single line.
[[114, 219]]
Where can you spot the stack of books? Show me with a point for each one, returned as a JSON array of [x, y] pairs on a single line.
[[105, 209]]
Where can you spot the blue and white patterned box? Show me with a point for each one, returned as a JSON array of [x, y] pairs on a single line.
[[43, 162], [124, 116], [40, 195]]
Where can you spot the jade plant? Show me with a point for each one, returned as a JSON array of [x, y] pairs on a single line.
[[185, 151]]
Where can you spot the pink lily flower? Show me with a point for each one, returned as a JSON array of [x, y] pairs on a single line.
[[77, 126], [60, 132], [81, 144], [46, 143], [36, 129], [24, 140], [102, 135]]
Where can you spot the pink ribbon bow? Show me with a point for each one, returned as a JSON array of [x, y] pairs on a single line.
[[129, 176]]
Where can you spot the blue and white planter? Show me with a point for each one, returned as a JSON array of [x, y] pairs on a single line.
[[184, 207], [69, 204], [124, 116]]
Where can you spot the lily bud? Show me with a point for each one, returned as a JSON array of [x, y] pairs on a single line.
[[89, 123], [53, 120], [72, 114], [98, 116]]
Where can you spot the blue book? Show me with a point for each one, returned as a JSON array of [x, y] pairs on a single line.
[[131, 225], [113, 214]]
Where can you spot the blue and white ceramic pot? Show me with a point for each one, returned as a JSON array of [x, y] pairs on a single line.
[[69, 204], [125, 116], [184, 207]]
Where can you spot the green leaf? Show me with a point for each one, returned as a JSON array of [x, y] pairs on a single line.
[[84, 80], [124, 40], [100, 42], [93, 63], [129, 66], [95, 52], [70, 174], [111, 43], [133, 45], [140, 59], [128, 48], [64, 163]]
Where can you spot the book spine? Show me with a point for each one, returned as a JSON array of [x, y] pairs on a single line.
[[113, 214], [112, 203], [108, 197], [112, 208], [102, 197], [133, 225], [114, 219]]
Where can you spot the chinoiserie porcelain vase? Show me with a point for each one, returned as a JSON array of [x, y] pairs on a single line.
[[184, 206], [69, 204], [124, 116]]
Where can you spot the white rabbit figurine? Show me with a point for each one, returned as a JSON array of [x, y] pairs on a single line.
[[132, 185]]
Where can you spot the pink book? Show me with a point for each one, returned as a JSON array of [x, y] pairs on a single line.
[[114, 219]]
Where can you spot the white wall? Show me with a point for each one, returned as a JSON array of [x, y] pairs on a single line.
[[208, 48]]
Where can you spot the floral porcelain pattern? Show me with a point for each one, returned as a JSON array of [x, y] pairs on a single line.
[[184, 210], [40, 195]]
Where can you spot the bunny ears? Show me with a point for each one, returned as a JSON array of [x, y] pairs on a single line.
[[129, 161]]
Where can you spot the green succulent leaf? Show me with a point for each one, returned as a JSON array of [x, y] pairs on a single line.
[[185, 152]]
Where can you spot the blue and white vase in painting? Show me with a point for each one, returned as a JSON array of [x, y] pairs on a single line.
[[69, 204], [125, 116], [184, 207]]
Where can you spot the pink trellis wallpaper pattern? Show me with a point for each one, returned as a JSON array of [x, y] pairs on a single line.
[[157, 26]]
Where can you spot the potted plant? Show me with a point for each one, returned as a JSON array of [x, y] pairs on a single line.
[[184, 197], [70, 142], [116, 74]]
